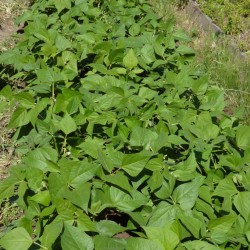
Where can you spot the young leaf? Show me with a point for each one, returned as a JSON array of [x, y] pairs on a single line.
[[130, 60], [67, 124]]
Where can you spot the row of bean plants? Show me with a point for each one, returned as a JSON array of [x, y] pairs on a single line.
[[124, 145]]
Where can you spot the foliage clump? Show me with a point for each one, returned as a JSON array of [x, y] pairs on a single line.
[[119, 134]]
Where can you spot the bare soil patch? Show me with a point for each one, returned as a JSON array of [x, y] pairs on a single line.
[[7, 28]]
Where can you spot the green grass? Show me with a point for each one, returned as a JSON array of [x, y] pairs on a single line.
[[215, 57]]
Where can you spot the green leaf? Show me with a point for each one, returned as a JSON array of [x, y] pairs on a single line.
[[242, 204], [163, 214], [133, 164], [220, 227], [107, 243], [193, 224], [16, 239], [7, 188], [134, 30], [181, 36], [51, 233], [242, 137], [130, 60], [147, 54], [25, 99], [186, 194], [67, 124], [19, 118], [126, 202], [108, 228], [142, 244], [225, 188], [119, 180], [164, 236], [75, 239], [105, 161], [42, 198], [142, 137], [62, 4], [185, 50], [200, 245], [62, 43], [79, 196], [43, 159]]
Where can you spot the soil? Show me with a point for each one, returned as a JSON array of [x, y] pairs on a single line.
[[7, 28]]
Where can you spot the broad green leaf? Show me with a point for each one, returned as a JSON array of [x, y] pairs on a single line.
[[19, 118], [187, 194], [200, 245], [75, 239], [142, 244], [7, 188], [243, 137], [220, 227], [16, 239], [133, 164], [51, 233], [48, 75], [181, 36], [108, 228], [162, 215], [147, 54], [134, 30], [105, 161], [42, 198], [62, 4], [185, 170], [242, 203], [213, 100], [225, 188], [85, 223], [76, 173], [67, 124], [62, 43], [164, 236], [185, 50], [107, 243], [79, 196], [119, 180], [130, 60], [126, 202], [43, 159], [193, 224], [25, 99], [142, 137]]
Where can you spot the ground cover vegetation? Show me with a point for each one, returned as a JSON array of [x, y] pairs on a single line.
[[124, 144], [214, 57], [233, 16]]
